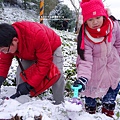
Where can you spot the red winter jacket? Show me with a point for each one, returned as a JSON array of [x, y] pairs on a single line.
[[36, 42]]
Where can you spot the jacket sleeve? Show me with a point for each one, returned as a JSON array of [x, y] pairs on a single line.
[[5, 62], [44, 57], [84, 67], [116, 34]]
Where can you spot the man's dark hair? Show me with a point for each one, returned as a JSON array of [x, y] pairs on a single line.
[[7, 33]]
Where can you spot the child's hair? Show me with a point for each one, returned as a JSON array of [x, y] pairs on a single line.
[[113, 18], [7, 33], [79, 39]]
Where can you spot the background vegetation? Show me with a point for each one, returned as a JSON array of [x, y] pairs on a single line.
[[52, 9]]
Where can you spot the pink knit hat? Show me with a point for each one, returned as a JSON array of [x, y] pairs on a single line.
[[92, 8]]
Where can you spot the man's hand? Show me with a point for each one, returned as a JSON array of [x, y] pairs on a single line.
[[1, 80], [22, 89]]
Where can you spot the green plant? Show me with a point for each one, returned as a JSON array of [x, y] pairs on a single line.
[[59, 14], [118, 115]]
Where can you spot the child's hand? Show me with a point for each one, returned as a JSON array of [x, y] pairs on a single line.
[[81, 81]]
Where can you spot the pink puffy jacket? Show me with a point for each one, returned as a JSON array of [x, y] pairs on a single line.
[[102, 65]]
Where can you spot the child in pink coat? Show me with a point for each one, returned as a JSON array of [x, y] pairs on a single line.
[[98, 61]]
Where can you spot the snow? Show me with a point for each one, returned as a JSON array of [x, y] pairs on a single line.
[[28, 107], [72, 106]]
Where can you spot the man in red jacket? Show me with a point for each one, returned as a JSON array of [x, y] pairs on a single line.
[[31, 42]]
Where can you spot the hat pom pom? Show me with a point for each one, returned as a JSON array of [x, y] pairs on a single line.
[[108, 11], [81, 19]]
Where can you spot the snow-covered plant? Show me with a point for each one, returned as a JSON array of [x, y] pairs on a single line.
[[59, 14]]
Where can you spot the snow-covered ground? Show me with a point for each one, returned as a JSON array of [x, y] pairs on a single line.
[[30, 108]]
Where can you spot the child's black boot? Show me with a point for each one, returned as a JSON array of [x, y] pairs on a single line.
[[90, 110]]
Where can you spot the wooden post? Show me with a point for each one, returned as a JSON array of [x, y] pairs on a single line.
[[41, 10]]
